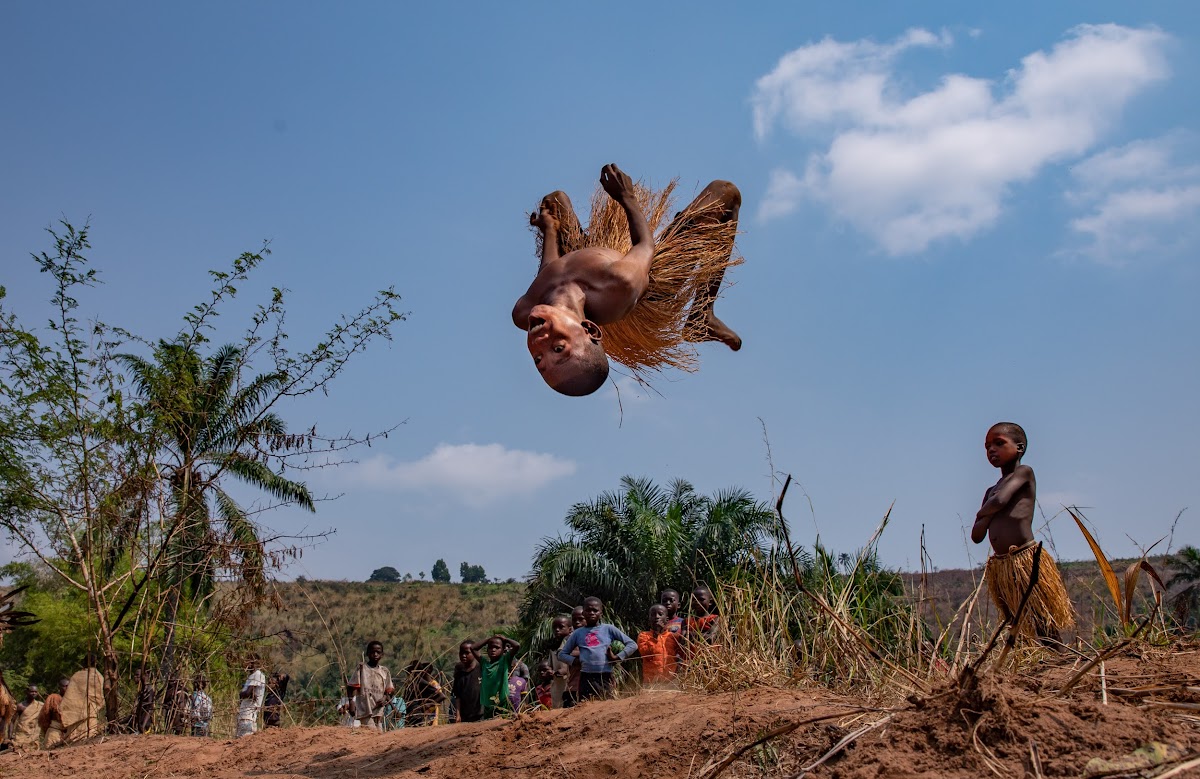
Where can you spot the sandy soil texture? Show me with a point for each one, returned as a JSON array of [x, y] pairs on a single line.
[[1000, 729]]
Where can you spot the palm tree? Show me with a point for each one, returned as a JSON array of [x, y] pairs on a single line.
[[210, 428], [627, 546], [1186, 563]]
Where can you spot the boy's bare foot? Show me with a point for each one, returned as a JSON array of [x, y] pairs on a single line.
[[716, 330]]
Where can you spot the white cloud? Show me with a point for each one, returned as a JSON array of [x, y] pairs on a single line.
[[912, 170], [1139, 200], [476, 474]]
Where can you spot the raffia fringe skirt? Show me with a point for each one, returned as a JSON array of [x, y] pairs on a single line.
[[1048, 607], [689, 253]]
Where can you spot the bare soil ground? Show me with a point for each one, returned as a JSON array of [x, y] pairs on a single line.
[[669, 733]]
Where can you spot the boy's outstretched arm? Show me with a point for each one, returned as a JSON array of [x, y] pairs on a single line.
[[619, 187], [545, 221]]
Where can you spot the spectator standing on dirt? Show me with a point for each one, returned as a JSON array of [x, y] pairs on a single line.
[[543, 691], [345, 709], [561, 628], [273, 700], [251, 696], [373, 687], [701, 626], [670, 600], [50, 718], [423, 693], [658, 647], [571, 695], [596, 657], [199, 707], [143, 702], [26, 732], [1006, 519], [466, 704], [174, 707], [495, 660]]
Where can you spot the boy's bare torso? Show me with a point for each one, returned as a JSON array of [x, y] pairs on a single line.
[[1012, 525], [609, 285]]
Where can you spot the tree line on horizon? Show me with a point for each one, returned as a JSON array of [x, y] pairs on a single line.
[[439, 572]]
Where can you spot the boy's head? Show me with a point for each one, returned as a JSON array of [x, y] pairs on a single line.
[[31, 692], [702, 599], [566, 350], [545, 672], [658, 616], [374, 652], [593, 609], [577, 620], [466, 652], [561, 627], [199, 683], [63, 684], [670, 599], [1005, 444], [495, 648]]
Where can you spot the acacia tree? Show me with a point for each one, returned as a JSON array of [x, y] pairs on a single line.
[[627, 546], [115, 484]]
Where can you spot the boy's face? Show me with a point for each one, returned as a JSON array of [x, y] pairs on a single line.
[[591, 613], [658, 616], [545, 673], [555, 338], [494, 649], [465, 656], [200, 684], [577, 620], [702, 600], [31, 692], [374, 654], [1001, 448], [562, 627], [670, 600]]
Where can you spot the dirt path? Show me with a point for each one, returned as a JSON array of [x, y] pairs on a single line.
[[668, 733]]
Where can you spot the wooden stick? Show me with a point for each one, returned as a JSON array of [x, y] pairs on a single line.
[[839, 746], [855, 634], [1105, 655], [782, 730]]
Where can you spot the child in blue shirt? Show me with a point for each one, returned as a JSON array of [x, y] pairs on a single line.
[[594, 642]]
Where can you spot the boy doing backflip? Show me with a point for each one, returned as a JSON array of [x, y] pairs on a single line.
[[1006, 519], [653, 297]]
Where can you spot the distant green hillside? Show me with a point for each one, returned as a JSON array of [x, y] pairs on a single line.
[[318, 629]]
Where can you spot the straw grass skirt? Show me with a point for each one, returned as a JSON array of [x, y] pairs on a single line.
[[1048, 610], [690, 252]]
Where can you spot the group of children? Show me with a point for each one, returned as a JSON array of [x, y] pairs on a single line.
[[490, 679]]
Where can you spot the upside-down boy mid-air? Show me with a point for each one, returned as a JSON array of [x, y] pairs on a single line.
[[653, 297]]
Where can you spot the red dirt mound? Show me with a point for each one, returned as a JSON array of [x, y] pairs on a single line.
[[667, 733]]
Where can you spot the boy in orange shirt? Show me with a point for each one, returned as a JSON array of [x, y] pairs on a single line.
[[658, 647]]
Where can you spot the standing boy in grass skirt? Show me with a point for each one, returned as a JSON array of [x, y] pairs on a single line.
[[1006, 519]]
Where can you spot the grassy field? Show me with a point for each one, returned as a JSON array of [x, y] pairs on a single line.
[[318, 631]]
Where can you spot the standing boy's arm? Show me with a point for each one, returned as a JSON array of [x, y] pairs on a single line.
[[564, 654], [1005, 491], [630, 644], [510, 646], [636, 262]]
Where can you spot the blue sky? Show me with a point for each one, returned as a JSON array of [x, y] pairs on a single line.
[[952, 216]]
